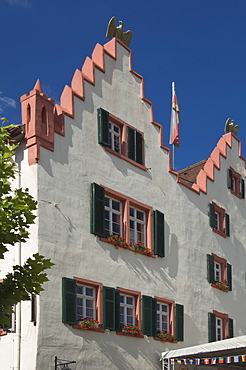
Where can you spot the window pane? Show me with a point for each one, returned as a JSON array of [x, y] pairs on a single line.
[[89, 292], [113, 217], [86, 302], [89, 313], [115, 205], [129, 300], [79, 289], [140, 215]]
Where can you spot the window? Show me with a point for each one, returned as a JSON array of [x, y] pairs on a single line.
[[9, 326], [235, 183], [137, 226], [220, 326], [119, 138], [121, 307], [116, 214], [113, 216], [219, 220], [127, 310], [163, 317], [219, 272], [115, 137], [81, 298], [159, 314], [86, 302]]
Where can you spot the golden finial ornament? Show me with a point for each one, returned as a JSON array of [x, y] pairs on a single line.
[[229, 126], [113, 31]]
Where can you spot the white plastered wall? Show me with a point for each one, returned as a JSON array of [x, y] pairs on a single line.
[[63, 192]]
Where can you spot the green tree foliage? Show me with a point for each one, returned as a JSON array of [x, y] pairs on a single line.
[[17, 209]]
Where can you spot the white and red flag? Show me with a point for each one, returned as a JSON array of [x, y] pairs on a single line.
[[174, 124]]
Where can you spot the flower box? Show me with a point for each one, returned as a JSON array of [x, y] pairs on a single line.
[[130, 335], [221, 285], [88, 323], [131, 329], [99, 329], [165, 336], [120, 242]]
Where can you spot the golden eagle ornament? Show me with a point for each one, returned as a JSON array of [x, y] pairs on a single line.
[[113, 31]]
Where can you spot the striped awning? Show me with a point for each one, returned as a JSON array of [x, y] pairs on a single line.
[[223, 348]]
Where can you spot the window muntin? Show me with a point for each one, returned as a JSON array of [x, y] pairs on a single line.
[[219, 328], [138, 229], [217, 271], [115, 137], [127, 310], [113, 216], [137, 226], [86, 302], [113, 133], [163, 317], [217, 221]]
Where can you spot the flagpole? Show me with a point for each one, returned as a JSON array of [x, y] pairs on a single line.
[[174, 128], [173, 146], [173, 156]]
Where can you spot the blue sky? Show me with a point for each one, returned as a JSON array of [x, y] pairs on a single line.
[[199, 44]]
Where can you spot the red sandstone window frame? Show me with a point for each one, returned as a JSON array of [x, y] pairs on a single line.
[[137, 302], [222, 262], [128, 202], [123, 153], [236, 177], [98, 298], [171, 305], [224, 317], [220, 212]]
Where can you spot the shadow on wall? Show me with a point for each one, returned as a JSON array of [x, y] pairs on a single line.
[[128, 353], [146, 268]]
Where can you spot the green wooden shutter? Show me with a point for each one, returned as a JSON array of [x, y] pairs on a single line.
[[131, 143], [242, 191], [211, 327], [211, 213], [229, 276], [159, 234], [97, 210], [179, 322], [138, 147], [227, 224], [210, 268], [230, 328], [148, 315], [69, 303], [154, 317], [111, 308], [103, 127], [229, 178]]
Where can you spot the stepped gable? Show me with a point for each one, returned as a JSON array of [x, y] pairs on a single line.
[[37, 134], [188, 175], [195, 177]]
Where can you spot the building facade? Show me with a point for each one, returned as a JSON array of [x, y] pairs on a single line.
[[138, 248]]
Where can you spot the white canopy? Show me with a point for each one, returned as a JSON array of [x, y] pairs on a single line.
[[223, 348]]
